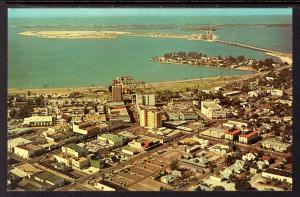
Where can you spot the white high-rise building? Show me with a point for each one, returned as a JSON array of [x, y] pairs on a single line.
[[145, 99]]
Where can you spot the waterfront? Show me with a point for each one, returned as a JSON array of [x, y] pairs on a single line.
[[31, 59], [120, 104]]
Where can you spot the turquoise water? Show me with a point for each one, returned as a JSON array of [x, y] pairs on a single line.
[[69, 63]]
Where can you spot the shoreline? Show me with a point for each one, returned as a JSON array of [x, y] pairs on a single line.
[[87, 89], [208, 66], [107, 35], [284, 57]]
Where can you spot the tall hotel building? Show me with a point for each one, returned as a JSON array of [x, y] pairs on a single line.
[[116, 92], [150, 118]]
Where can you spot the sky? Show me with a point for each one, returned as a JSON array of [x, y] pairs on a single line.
[[86, 12]]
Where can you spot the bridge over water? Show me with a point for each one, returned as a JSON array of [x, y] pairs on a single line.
[[275, 53]]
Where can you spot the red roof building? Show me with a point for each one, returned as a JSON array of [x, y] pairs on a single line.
[[231, 135], [249, 137]]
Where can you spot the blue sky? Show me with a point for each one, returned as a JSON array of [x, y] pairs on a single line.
[[70, 12]]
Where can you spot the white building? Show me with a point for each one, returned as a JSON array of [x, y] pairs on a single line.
[[88, 128], [249, 157], [38, 121], [11, 144], [275, 145], [252, 94], [235, 123], [212, 110], [103, 187], [145, 99], [27, 151], [248, 138], [277, 92], [278, 175], [74, 150]]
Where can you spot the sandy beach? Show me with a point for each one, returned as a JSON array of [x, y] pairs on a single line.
[[106, 35], [284, 57], [177, 85], [74, 34]]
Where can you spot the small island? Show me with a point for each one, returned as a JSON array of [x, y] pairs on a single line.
[[230, 62]]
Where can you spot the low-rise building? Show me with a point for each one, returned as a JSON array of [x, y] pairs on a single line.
[[104, 186], [232, 135], [27, 151], [96, 161], [214, 132], [143, 143], [11, 144], [167, 179], [63, 158], [193, 149], [239, 124], [130, 150], [249, 157], [38, 121], [88, 128], [212, 110], [74, 150], [118, 113], [80, 162], [198, 162], [252, 94], [49, 178], [276, 174], [173, 115], [249, 137], [188, 115], [276, 145], [111, 139], [25, 170], [277, 92], [237, 167]]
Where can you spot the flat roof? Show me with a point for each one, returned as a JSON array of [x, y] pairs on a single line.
[[38, 118], [75, 147], [278, 172], [27, 167], [44, 175], [112, 137], [211, 105], [249, 134], [233, 132], [275, 142], [29, 147], [18, 141]]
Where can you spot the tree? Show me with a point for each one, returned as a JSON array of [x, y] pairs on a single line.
[[39, 101], [86, 111], [243, 185], [229, 160], [241, 58], [13, 112], [198, 189], [219, 188], [163, 189], [174, 164]]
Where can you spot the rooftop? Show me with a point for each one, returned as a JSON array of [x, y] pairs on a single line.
[[275, 142], [38, 118], [233, 132], [211, 105], [26, 167], [249, 134], [278, 172], [75, 147], [112, 137]]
